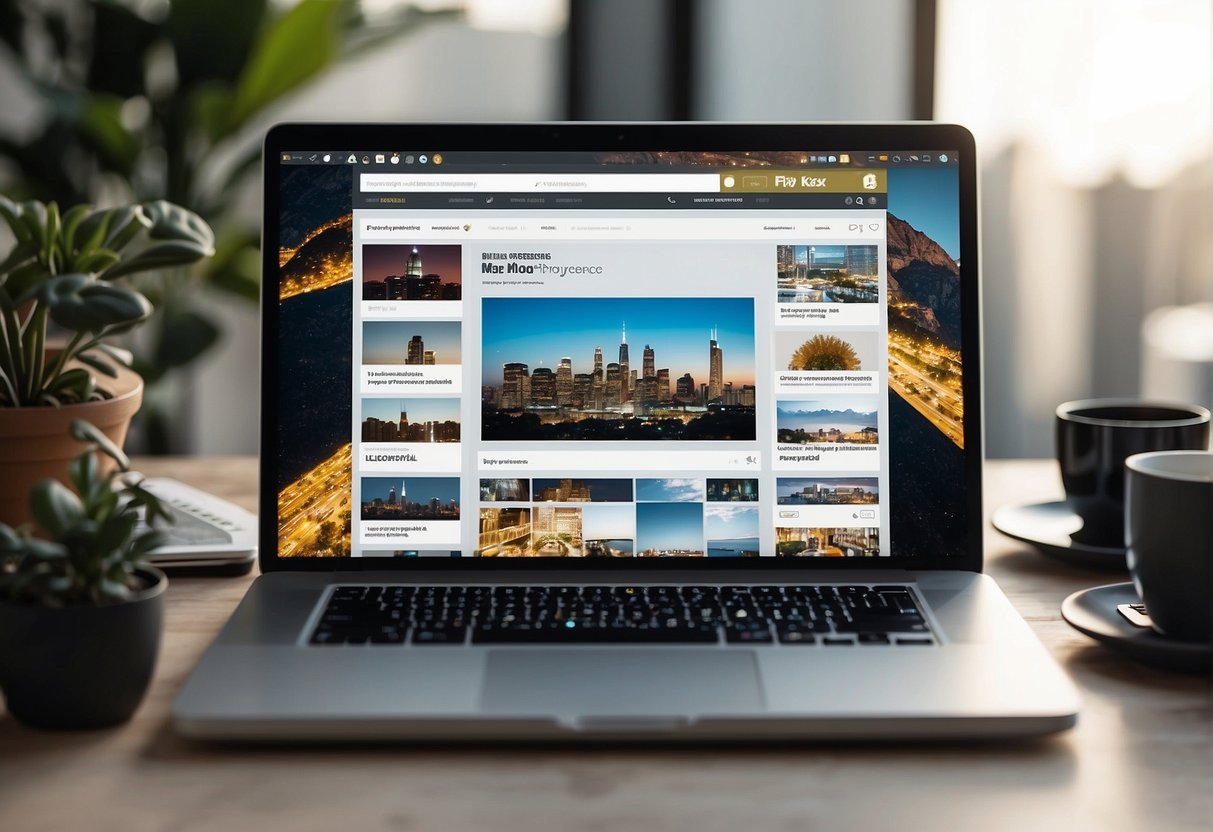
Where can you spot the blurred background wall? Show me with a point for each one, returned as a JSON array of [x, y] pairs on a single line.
[[1093, 120]]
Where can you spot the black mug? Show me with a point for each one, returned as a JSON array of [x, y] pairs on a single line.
[[1169, 539], [1094, 436]]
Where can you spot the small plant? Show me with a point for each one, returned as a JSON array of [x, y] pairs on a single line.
[[824, 352], [94, 542], [68, 269]]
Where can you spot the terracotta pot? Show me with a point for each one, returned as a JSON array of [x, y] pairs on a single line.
[[36, 443], [76, 668]]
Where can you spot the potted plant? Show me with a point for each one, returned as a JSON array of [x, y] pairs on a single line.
[[69, 270], [81, 610]]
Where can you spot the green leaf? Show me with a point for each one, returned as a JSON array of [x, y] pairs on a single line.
[[24, 283], [94, 262], [78, 303], [295, 48], [20, 254], [120, 355], [83, 431], [103, 367], [71, 222], [186, 239], [125, 223], [77, 381], [83, 472], [56, 508]]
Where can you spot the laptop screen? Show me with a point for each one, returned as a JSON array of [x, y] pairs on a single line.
[[618, 355]]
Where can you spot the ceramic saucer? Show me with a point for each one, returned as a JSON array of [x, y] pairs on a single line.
[[1050, 527], [1093, 612]]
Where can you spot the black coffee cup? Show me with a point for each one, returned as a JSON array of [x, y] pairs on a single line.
[[1169, 539], [1093, 438]]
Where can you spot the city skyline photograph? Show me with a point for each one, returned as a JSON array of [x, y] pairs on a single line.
[[411, 489], [732, 491], [418, 410], [398, 271], [388, 342], [827, 490], [828, 274], [571, 490], [539, 332]]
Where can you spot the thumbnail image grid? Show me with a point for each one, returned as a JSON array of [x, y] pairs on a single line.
[[410, 420], [411, 272], [827, 542], [612, 369], [411, 342], [837, 420], [410, 498], [828, 273]]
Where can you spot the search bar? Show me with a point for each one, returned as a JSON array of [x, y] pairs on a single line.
[[682, 461], [540, 182]]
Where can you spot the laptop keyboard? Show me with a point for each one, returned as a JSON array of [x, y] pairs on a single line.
[[825, 614]]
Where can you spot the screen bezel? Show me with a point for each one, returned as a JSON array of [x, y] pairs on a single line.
[[685, 136]]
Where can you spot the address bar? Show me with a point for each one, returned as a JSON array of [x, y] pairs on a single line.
[[540, 182]]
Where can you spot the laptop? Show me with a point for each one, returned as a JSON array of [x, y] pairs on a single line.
[[632, 431]]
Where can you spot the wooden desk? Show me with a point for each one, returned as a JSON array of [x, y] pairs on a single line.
[[1142, 754]]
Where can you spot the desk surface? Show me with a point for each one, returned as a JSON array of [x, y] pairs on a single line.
[[1142, 752]]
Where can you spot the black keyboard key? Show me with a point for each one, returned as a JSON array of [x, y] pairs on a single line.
[[904, 640], [837, 642], [756, 635], [796, 637], [873, 638], [594, 635], [439, 635]]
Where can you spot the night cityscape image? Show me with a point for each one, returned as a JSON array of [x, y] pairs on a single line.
[[732, 491], [732, 531], [410, 342], [669, 490], [669, 530], [618, 369], [410, 420], [505, 491], [582, 491], [504, 532], [828, 274], [407, 272], [410, 498], [837, 420], [827, 543], [827, 491]]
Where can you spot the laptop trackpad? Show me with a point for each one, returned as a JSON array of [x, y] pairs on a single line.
[[603, 681]]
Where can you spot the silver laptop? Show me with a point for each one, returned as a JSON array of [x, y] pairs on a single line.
[[584, 431]]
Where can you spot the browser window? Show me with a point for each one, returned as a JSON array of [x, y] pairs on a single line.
[[569, 360]]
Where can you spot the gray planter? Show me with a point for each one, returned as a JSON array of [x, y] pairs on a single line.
[[80, 667]]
